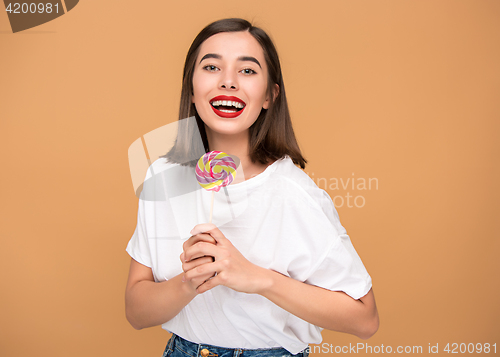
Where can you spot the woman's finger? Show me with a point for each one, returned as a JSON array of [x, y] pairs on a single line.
[[186, 266], [198, 238], [195, 282], [199, 250], [209, 284], [202, 228], [203, 270], [217, 235], [211, 229], [198, 275]]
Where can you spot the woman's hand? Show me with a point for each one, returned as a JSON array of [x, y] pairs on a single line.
[[195, 238], [232, 268], [197, 261]]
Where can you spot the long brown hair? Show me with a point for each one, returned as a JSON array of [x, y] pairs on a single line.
[[271, 137]]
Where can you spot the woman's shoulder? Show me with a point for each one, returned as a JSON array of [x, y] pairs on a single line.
[[287, 171], [286, 177], [299, 186]]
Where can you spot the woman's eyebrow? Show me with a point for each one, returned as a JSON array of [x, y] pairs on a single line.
[[211, 55], [249, 58], [241, 58]]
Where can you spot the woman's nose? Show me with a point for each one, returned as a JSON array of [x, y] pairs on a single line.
[[229, 81]]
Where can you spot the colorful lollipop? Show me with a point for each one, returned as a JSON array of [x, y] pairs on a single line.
[[214, 170]]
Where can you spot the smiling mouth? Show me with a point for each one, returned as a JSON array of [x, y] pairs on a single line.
[[227, 106]]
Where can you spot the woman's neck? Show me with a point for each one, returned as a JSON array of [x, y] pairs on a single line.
[[236, 145]]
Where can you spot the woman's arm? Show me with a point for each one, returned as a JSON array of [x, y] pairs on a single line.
[[333, 310], [148, 303]]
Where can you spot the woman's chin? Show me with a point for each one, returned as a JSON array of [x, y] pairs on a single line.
[[227, 132], [226, 128]]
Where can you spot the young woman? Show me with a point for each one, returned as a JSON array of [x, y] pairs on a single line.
[[267, 280]]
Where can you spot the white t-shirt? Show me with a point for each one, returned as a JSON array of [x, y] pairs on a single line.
[[279, 220]]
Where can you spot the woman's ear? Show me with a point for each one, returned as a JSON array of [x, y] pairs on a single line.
[[276, 91]]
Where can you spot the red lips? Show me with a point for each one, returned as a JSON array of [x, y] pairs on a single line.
[[229, 98]]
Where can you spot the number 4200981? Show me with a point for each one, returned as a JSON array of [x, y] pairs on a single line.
[[470, 348], [32, 8]]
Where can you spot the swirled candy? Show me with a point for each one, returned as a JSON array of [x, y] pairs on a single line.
[[214, 170]]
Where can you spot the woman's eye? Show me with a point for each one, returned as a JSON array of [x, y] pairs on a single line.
[[210, 68], [251, 71]]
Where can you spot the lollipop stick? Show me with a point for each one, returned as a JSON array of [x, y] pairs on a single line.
[[211, 207]]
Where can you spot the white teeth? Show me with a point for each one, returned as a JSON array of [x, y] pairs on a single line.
[[227, 103]]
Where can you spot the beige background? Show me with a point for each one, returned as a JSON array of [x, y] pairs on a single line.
[[402, 91]]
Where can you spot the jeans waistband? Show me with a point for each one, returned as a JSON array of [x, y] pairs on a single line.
[[177, 346]]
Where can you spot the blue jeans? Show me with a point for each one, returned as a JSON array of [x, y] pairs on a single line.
[[179, 347]]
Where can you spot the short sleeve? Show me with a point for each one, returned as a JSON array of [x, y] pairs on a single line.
[[340, 267], [328, 258], [138, 246], [342, 270]]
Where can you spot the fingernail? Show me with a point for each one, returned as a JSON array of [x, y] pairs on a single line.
[[184, 278]]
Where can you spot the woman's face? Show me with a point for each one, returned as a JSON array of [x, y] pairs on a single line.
[[230, 82]]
